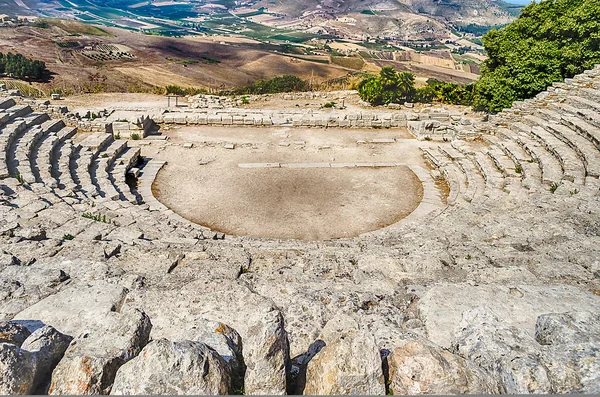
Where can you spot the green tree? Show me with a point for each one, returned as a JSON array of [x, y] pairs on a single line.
[[389, 87], [19, 67], [550, 41]]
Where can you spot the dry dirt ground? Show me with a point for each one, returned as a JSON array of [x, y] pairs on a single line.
[[163, 61], [157, 61], [206, 185]]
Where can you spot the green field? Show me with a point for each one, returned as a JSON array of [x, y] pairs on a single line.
[[175, 19]]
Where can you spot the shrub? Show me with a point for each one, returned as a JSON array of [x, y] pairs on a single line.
[[97, 218], [135, 136], [68, 237], [285, 83], [329, 104]]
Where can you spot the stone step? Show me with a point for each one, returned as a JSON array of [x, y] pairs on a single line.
[[572, 164], [582, 146], [6, 103], [63, 172], [100, 166], [585, 129], [475, 184], [118, 173], [493, 177], [22, 143], [28, 147], [12, 113], [9, 133], [584, 103], [586, 115], [551, 170]]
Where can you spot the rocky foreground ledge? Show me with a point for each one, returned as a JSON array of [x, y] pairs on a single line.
[[82, 340]]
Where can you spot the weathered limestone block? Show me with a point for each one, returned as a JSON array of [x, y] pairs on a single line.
[[568, 328], [571, 350], [174, 368], [267, 355], [93, 359], [220, 337], [14, 333], [442, 306], [48, 346], [17, 370], [73, 310], [7, 259], [505, 351], [349, 363], [179, 119], [420, 367], [214, 119]]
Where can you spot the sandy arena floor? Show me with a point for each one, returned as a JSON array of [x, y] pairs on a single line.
[[205, 184]]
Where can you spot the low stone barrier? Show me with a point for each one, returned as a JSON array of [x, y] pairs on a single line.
[[127, 129], [280, 118]]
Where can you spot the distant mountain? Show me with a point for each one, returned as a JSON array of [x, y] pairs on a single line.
[[482, 12]]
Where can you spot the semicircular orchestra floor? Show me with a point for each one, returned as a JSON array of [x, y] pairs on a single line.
[[289, 183]]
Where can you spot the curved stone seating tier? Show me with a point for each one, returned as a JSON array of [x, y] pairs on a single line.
[[452, 174], [47, 160], [587, 152], [43, 161], [6, 138], [477, 189], [26, 148], [12, 113], [584, 103], [475, 184], [551, 169], [6, 103], [571, 163], [83, 159], [117, 173], [584, 128], [99, 169], [63, 172]]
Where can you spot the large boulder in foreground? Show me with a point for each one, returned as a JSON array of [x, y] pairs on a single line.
[[420, 367], [17, 370], [508, 353], [48, 346], [568, 328], [349, 363], [571, 350], [174, 368], [222, 338], [14, 333], [26, 367], [94, 357], [74, 310], [267, 355], [442, 306]]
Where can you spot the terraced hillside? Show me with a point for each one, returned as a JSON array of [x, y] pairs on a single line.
[[494, 288]]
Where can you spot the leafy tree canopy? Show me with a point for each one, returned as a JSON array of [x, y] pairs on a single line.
[[19, 67], [550, 41]]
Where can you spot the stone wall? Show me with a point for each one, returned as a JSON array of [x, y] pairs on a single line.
[[126, 129], [285, 118]]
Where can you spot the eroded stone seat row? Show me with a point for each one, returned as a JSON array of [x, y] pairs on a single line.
[[545, 144]]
